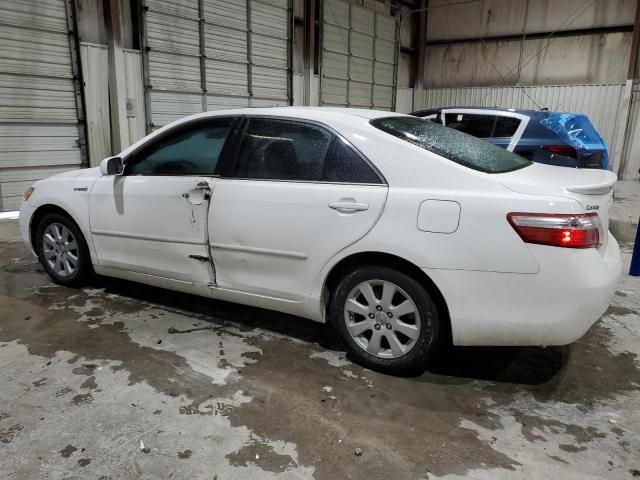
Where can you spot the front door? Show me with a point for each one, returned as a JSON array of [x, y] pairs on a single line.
[[295, 196], [153, 219]]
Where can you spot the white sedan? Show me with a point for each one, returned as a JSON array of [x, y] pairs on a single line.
[[402, 233]]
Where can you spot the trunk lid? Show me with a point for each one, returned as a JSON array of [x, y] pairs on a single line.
[[591, 188]]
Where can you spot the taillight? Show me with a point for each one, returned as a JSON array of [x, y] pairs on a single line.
[[563, 150], [574, 230]]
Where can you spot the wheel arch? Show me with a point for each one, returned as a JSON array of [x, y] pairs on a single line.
[[392, 261], [39, 214]]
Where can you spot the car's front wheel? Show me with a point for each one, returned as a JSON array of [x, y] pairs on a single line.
[[387, 320], [62, 250]]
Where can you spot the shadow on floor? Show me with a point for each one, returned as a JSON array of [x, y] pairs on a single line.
[[515, 365]]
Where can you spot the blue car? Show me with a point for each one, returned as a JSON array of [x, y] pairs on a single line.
[[554, 138]]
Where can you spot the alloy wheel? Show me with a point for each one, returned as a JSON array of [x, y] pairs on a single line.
[[60, 250], [382, 319]]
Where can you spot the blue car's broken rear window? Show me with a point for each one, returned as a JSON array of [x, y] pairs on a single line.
[[456, 146]]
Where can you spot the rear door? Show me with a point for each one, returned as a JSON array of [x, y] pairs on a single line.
[[294, 196]]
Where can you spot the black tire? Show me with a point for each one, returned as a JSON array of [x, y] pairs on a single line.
[[83, 269], [423, 347]]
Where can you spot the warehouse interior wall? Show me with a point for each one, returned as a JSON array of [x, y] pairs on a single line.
[[130, 66], [572, 55], [598, 59]]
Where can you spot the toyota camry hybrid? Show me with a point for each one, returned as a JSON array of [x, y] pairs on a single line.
[[402, 233]]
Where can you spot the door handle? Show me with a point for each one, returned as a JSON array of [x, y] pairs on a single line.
[[204, 186], [344, 206], [194, 196]]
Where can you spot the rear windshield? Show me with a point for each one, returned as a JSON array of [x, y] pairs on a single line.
[[452, 144]]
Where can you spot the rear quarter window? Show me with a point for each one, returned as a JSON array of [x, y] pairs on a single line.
[[505, 126], [478, 125], [451, 144]]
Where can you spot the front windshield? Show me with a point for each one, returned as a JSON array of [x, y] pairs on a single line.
[[452, 144]]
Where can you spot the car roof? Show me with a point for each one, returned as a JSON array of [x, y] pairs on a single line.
[[310, 113], [331, 116]]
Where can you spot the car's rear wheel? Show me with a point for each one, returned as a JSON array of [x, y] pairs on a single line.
[[62, 250], [386, 319]]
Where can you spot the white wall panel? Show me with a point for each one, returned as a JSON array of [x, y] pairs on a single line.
[[601, 103], [39, 128], [135, 95], [558, 60], [94, 60], [506, 17], [631, 153], [298, 90]]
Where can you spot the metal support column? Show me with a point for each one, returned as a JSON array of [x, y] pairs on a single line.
[[203, 55], [249, 59], [146, 79]]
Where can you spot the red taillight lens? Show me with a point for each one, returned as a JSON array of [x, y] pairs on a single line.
[[563, 150], [579, 230]]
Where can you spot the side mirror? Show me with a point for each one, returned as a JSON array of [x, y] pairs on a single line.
[[112, 166]]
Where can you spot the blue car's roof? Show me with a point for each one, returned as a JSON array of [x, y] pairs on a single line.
[[499, 109]]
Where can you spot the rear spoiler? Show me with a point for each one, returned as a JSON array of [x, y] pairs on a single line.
[[600, 188]]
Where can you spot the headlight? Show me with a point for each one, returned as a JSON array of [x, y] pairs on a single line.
[[27, 193]]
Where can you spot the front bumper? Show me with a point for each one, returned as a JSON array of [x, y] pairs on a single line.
[[555, 306], [26, 212]]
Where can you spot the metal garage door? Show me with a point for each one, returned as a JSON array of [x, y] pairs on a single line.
[[212, 54], [39, 127], [358, 57]]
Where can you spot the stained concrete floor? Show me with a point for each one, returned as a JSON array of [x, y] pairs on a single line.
[[119, 380]]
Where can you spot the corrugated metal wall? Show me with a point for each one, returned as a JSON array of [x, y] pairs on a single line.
[[631, 153], [39, 128], [600, 102], [555, 46], [213, 54], [358, 57]]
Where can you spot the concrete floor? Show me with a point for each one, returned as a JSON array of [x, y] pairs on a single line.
[[118, 380], [624, 211]]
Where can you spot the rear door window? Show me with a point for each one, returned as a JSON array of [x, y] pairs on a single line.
[[343, 165], [281, 149], [505, 126], [478, 125]]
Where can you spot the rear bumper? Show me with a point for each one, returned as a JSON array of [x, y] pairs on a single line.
[[555, 306]]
